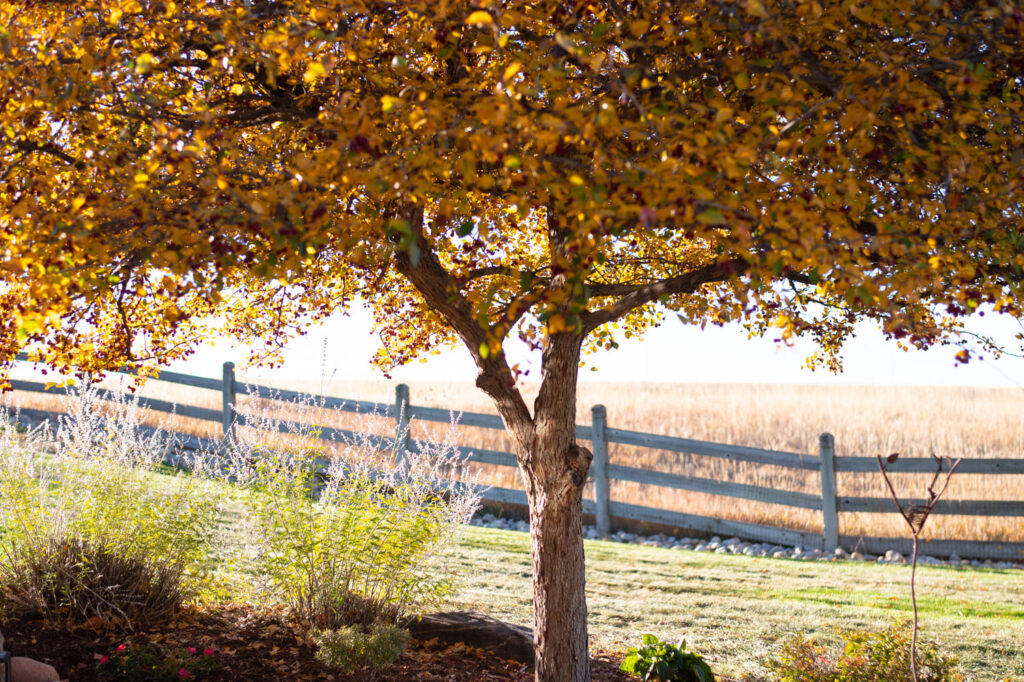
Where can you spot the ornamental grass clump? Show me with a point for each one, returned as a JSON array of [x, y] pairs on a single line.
[[346, 531], [95, 530]]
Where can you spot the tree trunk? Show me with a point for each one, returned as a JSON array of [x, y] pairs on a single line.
[[555, 469], [553, 466], [555, 474], [559, 598]]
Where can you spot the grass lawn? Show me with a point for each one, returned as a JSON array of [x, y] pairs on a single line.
[[734, 609]]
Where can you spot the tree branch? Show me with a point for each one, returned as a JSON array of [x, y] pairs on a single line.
[[441, 291], [633, 297]]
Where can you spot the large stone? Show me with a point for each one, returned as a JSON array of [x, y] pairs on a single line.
[[478, 630], [30, 670]]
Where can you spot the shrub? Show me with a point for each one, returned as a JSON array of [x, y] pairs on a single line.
[[68, 575], [349, 540], [152, 663], [91, 533], [356, 646], [657, 660], [802, 660], [885, 656], [865, 657]]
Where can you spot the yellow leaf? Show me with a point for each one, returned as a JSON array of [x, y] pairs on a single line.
[[77, 202], [756, 8], [387, 103], [741, 79], [638, 28], [510, 71], [480, 18], [314, 72], [144, 63], [141, 178]]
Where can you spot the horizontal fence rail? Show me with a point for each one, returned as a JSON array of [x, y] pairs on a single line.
[[605, 510]]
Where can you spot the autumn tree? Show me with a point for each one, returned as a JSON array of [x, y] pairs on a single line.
[[558, 171]]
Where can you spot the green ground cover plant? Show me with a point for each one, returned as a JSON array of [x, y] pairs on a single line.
[[355, 646], [658, 660], [150, 662]]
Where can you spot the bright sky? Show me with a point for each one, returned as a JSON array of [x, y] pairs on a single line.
[[341, 349]]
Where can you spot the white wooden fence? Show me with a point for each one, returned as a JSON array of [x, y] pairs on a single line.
[[605, 510]]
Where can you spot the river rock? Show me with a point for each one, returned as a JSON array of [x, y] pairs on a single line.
[[477, 630]]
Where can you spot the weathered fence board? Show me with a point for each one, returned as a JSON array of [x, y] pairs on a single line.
[[327, 433], [191, 411], [952, 507], [713, 487], [713, 526], [343, 404], [736, 453], [481, 456], [926, 465], [189, 380], [437, 414]]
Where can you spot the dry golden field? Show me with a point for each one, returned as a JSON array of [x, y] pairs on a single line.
[[915, 421]]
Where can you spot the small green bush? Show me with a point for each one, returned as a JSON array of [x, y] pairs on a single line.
[[354, 647], [865, 657], [658, 660], [802, 660]]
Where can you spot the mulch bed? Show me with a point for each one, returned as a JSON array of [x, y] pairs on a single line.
[[253, 644]]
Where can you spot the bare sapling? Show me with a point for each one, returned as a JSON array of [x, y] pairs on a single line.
[[916, 515]]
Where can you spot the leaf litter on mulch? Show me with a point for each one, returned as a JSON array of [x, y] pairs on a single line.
[[259, 644]]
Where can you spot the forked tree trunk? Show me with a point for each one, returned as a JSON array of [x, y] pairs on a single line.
[[555, 469], [553, 466]]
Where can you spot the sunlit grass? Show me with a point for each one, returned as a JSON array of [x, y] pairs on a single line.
[[737, 609]]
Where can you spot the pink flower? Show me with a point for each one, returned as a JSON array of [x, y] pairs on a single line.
[[191, 650], [182, 672], [121, 647], [103, 659], [208, 652]]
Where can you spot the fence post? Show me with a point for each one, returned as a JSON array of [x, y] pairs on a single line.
[[602, 496], [829, 507], [401, 423], [228, 401]]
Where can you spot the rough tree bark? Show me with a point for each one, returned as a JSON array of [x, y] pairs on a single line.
[[555, 469], [555, 487]]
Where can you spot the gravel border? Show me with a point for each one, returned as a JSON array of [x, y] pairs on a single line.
[[755, 549]]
